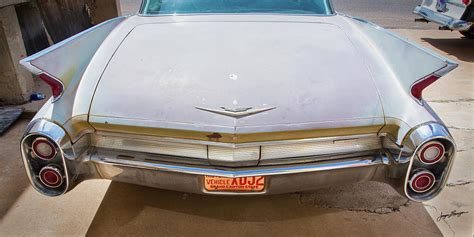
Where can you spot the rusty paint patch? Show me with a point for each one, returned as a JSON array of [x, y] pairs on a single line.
[[214, 136]]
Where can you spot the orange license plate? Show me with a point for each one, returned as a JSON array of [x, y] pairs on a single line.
[[245, 184]]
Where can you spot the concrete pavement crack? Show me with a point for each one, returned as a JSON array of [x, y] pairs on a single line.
[[377, 210], [450, 228], [459, 128], [451, 101], [430, 206], [445, 217], [380, 210], [459, 183], [413, 222]]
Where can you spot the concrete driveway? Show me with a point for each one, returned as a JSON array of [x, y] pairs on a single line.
[[100, 207]]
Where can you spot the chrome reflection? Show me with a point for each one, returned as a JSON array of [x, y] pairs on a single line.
[[227, 152]]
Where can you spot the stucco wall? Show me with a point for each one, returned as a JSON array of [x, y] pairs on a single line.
[[16, 83]]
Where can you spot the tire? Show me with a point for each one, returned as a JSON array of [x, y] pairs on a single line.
[[468, 34]]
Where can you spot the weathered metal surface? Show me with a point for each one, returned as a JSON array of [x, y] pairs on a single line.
[[258, 68]]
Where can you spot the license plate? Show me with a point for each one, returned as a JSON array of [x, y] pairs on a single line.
[[244, 184]]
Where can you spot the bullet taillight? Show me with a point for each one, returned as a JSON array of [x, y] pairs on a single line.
[[43, 148], [51, 177], [422, 181], [431, 153]]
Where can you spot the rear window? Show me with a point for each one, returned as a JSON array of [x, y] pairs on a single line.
[[156, 7]]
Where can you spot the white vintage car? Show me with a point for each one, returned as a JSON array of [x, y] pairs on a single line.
[[450, 14], [238, 97]]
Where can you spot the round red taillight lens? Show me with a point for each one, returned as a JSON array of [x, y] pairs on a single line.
[[43, 148], [51, 177], [466, 2], [431, 152], [422, 181]]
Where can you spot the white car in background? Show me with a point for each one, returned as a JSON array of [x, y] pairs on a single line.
[[450, 14]]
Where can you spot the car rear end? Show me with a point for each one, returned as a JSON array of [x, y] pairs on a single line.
[[418, 169], [329, 124]]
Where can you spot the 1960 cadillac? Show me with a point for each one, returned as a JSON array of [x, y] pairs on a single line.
[[238, 97]]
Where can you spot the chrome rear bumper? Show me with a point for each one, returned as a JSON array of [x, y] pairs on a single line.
[[279, 179], [443, 20]]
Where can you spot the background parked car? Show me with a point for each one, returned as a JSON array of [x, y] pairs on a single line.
[[450, 14]]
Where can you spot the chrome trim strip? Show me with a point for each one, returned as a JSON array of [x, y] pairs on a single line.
[[30, 67], [231, 154], [450, 65], [236, 113], [222, 144], [320, 148], [196, 151], [236, 173]]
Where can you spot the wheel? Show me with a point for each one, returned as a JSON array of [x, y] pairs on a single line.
[[468, 34]]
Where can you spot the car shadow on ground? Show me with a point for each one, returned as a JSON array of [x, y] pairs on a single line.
[[135, 210], [461, 48], [13, 179]]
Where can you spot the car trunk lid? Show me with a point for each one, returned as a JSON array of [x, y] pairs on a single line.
[[308, 75]]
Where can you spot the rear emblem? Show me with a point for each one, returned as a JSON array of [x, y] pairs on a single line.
[[236, 112]]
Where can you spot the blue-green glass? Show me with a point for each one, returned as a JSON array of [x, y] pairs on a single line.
[[153, 7]]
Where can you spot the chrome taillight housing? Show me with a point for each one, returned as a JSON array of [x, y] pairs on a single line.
[[44, 157], [430, 163], [422, 181], [431, 152], [43, 148]]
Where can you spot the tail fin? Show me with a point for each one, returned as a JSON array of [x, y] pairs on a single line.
[[58, 64]]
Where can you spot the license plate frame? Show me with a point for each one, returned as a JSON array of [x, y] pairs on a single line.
[[254, 184]]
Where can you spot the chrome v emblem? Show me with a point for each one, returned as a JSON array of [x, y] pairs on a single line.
[[236, 112]]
